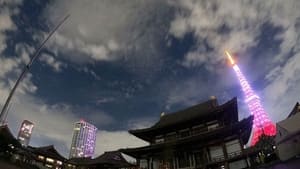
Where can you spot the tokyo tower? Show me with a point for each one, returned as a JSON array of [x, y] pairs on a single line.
[[261, 122]]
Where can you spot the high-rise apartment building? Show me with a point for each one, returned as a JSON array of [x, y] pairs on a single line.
[[25, 132], [84, 140]]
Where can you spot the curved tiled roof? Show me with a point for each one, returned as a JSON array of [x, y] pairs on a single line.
[[197, 112], [47, 151], [111, 159], [7, 137]]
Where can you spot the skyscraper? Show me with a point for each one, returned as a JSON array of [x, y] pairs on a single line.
[[84, 140], [25, 132], [261, 122]]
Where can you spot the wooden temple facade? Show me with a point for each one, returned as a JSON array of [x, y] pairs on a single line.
[[205, 136]]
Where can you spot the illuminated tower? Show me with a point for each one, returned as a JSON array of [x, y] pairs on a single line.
[[261, 122], [25, 132], [84, 140]]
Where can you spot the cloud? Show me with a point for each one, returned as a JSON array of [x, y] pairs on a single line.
[[103, 100], [91, 72], [7, 10], [283, 90], [109, 31], [140, 123], [53, 123], [237, 26], [52, 62], [218, 25], [114, 140]]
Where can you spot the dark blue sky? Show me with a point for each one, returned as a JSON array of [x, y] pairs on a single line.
[[119, 65]]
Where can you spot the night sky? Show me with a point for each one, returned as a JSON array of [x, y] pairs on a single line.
[[119, 64]]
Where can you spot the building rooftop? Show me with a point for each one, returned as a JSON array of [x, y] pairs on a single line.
[[47, 151], [6, 137], [111, 159]]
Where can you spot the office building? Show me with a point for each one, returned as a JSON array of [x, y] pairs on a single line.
[[84, 140], [25, 132]]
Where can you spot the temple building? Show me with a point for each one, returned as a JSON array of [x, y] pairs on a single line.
[[288, 135], [47, 156], [206, 135]]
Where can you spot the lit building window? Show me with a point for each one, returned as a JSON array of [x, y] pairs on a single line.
[[159, 139], [213, 126], [50, 160], [59, 162], [41, 157], [48, 165]]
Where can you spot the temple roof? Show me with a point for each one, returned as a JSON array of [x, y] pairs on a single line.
[[208, 110], [112, 159], [47, 151], [80, 160], [6, 137], [195, 111], [295, 110], [241, 128]]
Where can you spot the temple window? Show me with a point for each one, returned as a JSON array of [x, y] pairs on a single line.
[[233, 148], [143, 164], [50, 160], [171, 136], [200, 158], [238, 164], [48, 165], [212, 125], [59, 162], [199, 129], [159, 139], [216, 153], [41, 157], [183, 160], [184, 133]]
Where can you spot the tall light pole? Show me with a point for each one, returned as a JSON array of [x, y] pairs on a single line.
[[4, 110]]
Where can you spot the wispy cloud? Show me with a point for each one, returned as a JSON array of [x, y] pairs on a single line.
[[108, 31], [55, 64]]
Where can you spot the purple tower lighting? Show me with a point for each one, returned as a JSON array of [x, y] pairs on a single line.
[[261, 122], [84, 140]]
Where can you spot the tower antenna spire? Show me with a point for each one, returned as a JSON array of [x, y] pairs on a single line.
[[4, 111], [261, 121]]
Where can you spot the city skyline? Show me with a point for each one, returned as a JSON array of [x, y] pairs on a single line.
[[120, 64]]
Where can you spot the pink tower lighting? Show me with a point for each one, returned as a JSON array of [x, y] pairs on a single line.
[[261, 121]]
